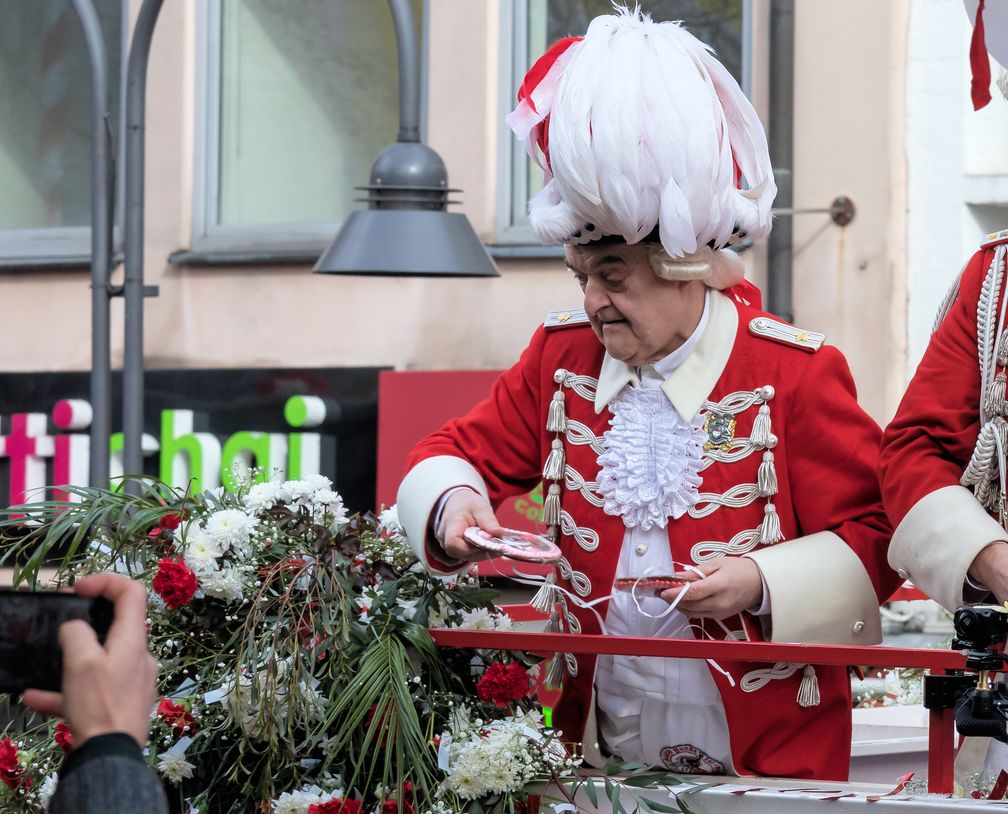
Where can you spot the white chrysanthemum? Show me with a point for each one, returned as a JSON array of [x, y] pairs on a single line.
[[174, 767], [317, 481], [264, 496], [47, 790], [231, 529], [388, 523], [299, 491], [295, 802], [477, 619], [326, 497], [503, 622], [496, 760], [332, 515], [201, 552], [225, 584]]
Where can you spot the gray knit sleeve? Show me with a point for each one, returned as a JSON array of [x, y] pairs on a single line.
[[110, 784]]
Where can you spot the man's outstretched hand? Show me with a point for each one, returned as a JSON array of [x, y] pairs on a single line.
[[463, 509]]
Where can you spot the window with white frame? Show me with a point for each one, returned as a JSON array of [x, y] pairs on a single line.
[[528, 28], [45, 127], [296, 100]]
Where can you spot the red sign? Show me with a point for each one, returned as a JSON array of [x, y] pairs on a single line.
[[413, 404]]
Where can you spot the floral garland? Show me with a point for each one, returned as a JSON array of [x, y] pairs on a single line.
[[297, 673]]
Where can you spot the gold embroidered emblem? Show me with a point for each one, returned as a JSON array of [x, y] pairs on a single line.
[[802, 336], [720, 429], [561, 318]]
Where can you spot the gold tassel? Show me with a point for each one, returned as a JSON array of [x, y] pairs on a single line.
[[760, 435], [551, 509], [766, 477], [556, 419], [808, 690], [770, 531], [554, 468], [996, 399], [544, 603]]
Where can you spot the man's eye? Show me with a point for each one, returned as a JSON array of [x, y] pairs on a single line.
[[582, 280]]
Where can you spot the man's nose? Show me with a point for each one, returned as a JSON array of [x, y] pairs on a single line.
[[595, 297]]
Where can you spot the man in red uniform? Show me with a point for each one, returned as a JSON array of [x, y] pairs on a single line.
[[675, 426], [943, 457]]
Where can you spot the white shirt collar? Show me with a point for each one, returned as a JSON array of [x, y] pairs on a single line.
[[693, 372]]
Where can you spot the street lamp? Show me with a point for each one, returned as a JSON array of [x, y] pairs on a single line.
[[406, 229]]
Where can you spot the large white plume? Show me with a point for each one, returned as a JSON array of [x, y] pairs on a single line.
[[645, 128]]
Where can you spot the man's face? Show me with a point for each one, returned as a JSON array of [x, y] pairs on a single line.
[[637, 316]]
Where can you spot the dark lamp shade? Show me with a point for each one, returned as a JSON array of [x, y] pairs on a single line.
[[407, 243]]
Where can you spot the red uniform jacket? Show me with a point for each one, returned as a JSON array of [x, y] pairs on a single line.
[[940, 526], [776, 402]]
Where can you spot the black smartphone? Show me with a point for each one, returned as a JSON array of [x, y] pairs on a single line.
[[30, 654]]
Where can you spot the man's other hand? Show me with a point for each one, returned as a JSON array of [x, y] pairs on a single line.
[[731, 585], [463, 509], [990, 569], [108, 688]]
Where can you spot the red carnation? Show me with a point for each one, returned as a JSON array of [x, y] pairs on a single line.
[[176, 716], [63, 737], [503, 683], [11, 772], [340, 805], [392, 807], [174, 582], [170, 521]]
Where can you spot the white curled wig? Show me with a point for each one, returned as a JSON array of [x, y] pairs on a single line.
[[636, 125]]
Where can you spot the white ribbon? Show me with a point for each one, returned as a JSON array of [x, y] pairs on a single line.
[[444, 752], [537, 582]]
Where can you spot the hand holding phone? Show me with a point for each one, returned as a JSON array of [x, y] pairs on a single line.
[[107, 687], [30, 655]]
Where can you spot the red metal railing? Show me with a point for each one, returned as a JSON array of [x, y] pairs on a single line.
[[941, 746]]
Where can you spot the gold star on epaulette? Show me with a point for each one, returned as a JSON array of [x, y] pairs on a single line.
[[994, 238], [565, 319]]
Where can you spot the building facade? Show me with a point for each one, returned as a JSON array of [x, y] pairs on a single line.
[[262, 116]]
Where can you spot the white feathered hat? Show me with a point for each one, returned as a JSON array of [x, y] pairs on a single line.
[[637, 126]]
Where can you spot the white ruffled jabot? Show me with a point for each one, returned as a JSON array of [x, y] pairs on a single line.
[[651, 467]]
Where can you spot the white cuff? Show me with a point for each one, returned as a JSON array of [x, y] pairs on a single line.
[[418, 496], [820, 591], [938, 540]]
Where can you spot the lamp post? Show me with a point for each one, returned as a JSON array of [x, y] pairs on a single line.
[[101, 244], [134, 290], [406, 229]]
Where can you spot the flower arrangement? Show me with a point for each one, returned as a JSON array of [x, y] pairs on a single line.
[[297, 672]]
